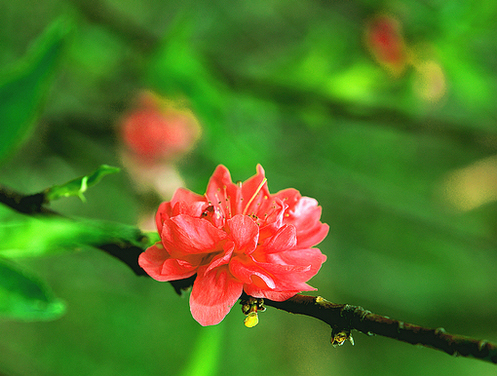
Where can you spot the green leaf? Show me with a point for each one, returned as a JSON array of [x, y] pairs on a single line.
[[35, 237], [78, 186], [24, 297], [23, 88]]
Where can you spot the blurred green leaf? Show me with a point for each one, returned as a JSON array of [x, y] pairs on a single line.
[[78, 186], [23, 88], [23, 297], [36, 237], [179, 70], [204, 360]]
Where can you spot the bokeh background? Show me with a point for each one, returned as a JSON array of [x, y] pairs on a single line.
[[384, 111]]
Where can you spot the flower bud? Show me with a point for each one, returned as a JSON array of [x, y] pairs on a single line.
[[157, 130], [383, 37]]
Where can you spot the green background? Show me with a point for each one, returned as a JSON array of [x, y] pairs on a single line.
[[290, 85]]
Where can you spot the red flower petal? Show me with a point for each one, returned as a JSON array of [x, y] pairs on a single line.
[[289, 196], [245, 269], [158, 264], [183, 202], [189, 203], [243, 198], [311, 257], [312, 236], [223, 258], [219, 179], [304, 213], [271, 216], [222, 193], [277, 296], [282, 271], [255, 193], [163, 213], [305, 209], [244, 233], [185, 196], [183, 234], [286, 277], [284, 240], [213, 295]]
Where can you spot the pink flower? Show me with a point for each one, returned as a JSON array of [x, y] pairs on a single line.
[[236, 237], [155, 130]]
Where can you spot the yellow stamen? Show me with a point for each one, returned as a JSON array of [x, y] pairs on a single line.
[[252, 319]]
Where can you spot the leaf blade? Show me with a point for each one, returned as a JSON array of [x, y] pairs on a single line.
[[38, 237], [24, 297], [78, 186], [23, 87]]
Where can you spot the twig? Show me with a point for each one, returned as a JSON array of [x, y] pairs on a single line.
[[25, 204], [342, 318]]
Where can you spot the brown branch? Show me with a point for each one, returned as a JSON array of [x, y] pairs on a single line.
[[342, 318], [25, 204]]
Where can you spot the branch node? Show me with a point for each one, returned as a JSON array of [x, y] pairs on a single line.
[[321, 301], [362, 313], [482, 344], [440, 331], [347, 308]]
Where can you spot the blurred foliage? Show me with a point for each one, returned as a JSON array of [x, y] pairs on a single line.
[[206, 353], [78, 186], [33, 237], [23, 297], [23, 87], [393, 159]]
